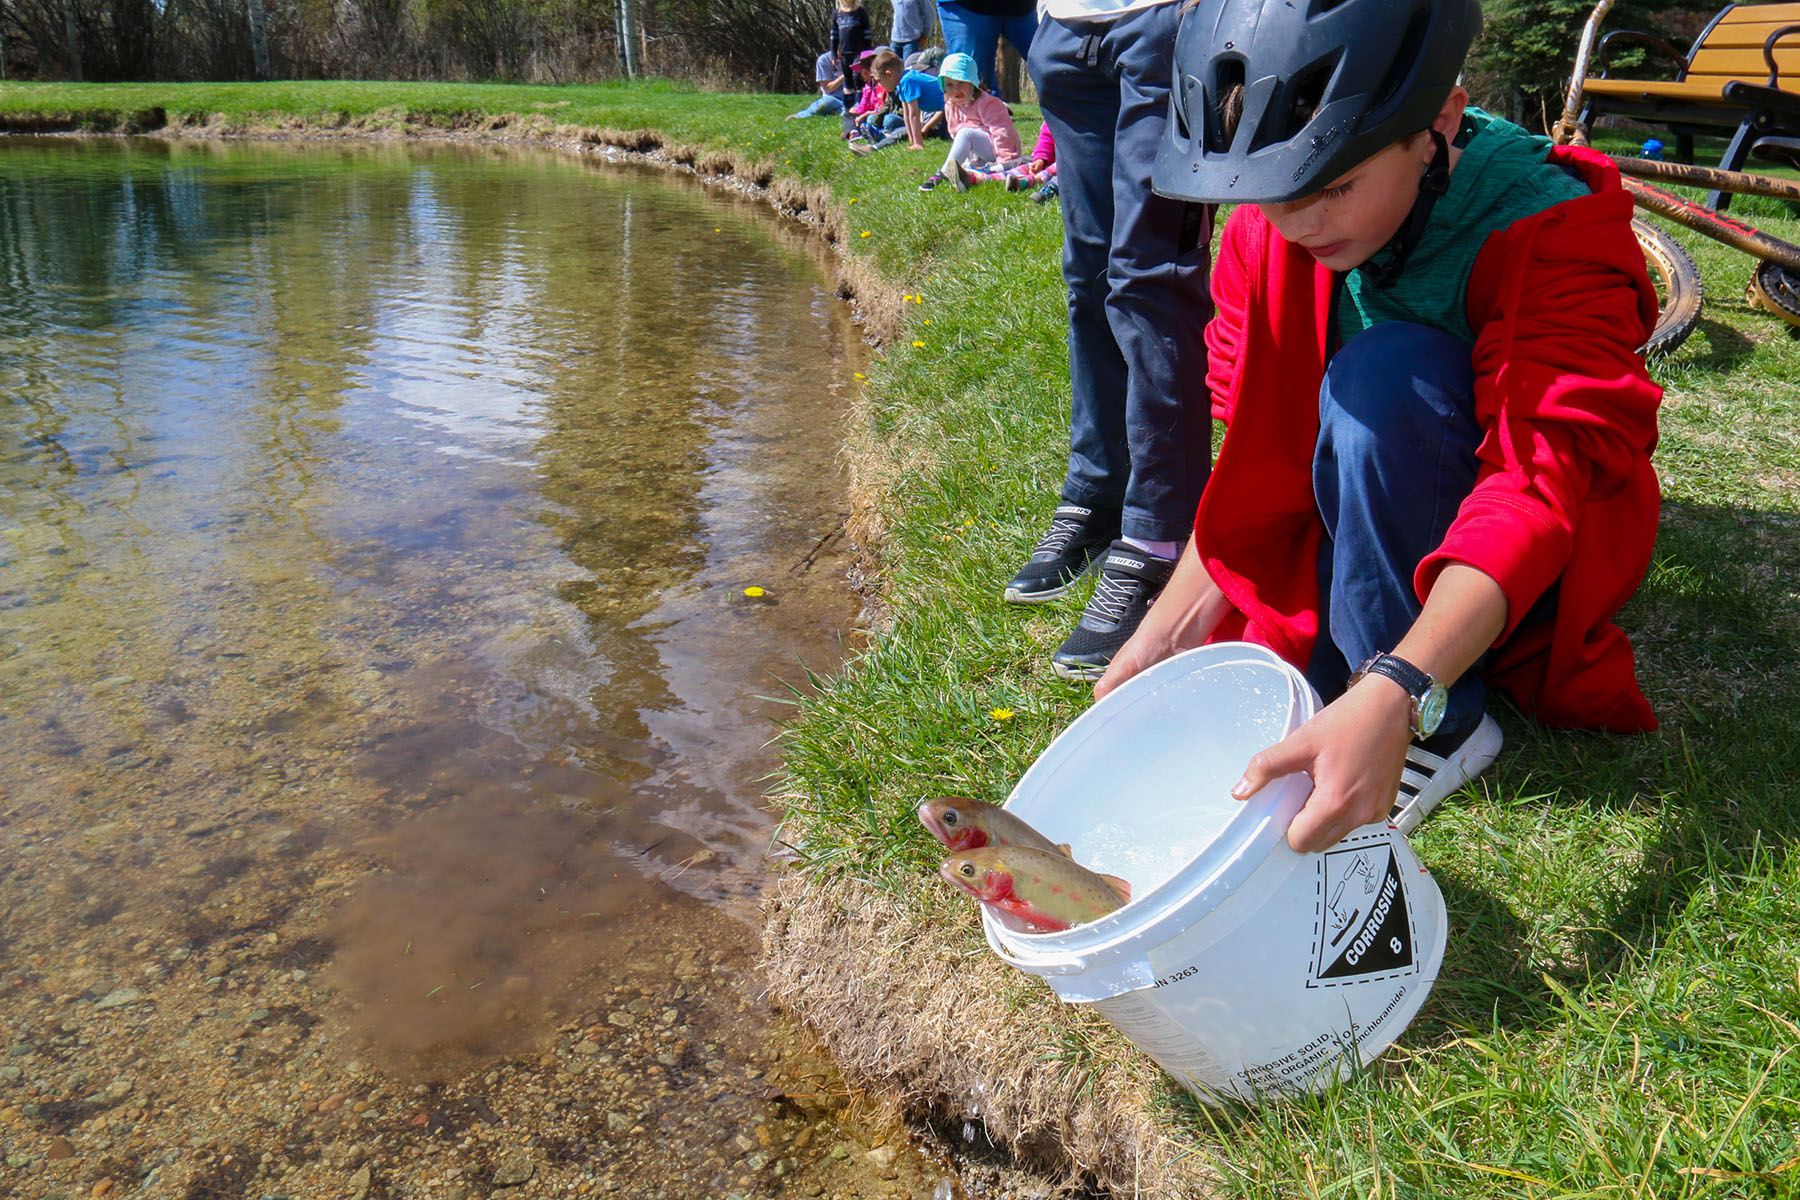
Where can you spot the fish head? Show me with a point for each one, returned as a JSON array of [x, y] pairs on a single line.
[[982, 876], [951, 822]]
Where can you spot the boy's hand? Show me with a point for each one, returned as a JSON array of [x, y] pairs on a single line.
[[1147, 647], [1182, 617], [1354, 749]]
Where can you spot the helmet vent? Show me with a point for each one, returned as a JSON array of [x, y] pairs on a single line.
[[1225, 104], [1402, 67], [1292, 107]]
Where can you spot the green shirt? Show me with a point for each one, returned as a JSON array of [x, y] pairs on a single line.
[[1501, 177]]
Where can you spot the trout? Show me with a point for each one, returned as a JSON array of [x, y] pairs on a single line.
[[1048, 892], [964, 824]]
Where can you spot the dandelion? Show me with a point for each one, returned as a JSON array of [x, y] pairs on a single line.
[[853, 199], [918, 345], [858, 375], [865, 233], [928, 320], [1001, 714], [753, 592]]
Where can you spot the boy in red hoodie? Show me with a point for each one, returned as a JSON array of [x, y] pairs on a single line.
[[1436, 471]]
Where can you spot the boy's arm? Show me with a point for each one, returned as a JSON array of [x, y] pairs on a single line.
[[1186, 612], [1566, 407], [915, 132], [1355, 747]]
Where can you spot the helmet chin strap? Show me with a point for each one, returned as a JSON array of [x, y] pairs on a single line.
[[1383, 269]]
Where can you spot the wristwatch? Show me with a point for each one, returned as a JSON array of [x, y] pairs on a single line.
[[1429, 697]]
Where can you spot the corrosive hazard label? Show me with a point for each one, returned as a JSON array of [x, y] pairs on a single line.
[[1363, 929]]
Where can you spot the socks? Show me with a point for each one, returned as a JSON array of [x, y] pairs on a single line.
[[1168, 551]]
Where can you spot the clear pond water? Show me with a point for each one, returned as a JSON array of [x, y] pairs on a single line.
[[384, 728]]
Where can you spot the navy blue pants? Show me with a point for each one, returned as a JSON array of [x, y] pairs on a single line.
[[978, 35], [1136, 264], [1394, 462]]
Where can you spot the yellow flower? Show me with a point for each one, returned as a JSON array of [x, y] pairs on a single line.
[[753, 592], [853, 199], [865, 233], [1002, 714], [859, 375], [918, 299], [928, 320], [918, 345]]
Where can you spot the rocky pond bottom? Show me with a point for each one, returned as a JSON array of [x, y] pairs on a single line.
[[405, 560]]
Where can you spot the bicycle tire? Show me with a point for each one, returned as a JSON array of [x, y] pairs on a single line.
[[1678, 289], [1775, 289]]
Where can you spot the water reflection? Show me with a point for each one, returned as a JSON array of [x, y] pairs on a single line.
[[374, 526]]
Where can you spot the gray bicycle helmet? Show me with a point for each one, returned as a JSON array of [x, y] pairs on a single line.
[[1325, 85]]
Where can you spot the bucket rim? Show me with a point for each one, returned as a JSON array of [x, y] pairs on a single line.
[[1259, 824]]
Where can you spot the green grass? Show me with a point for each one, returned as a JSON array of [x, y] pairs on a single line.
[[1617, 1011]]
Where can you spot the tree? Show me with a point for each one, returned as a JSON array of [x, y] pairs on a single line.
[[1520, 65]]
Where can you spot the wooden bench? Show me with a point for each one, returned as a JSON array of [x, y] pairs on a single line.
[[1743, 74]]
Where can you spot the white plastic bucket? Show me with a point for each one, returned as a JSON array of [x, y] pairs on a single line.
[[1241, 967]]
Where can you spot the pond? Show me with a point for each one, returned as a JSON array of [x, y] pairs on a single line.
[[386, 697]]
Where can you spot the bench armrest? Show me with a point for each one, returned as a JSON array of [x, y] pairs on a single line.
[[1650, 40], [1769, 53], [1779, 107]]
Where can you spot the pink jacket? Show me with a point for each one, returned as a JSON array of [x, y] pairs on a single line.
[[985, 111], [1045, 150], [871, 99]]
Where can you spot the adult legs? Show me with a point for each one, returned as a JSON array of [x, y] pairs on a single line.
[[1136, 269], [822, 106], [1395, 459], [978, 35], [1135, 265]]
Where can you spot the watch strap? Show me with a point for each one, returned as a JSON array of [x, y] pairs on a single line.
[[1415, 681]]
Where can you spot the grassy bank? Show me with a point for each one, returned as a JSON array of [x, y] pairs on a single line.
[[1616, 1015]]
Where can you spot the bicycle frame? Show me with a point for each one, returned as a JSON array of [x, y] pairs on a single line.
[[1568, 130], [1716, 225]]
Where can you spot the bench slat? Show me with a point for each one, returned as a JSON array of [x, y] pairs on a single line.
[[1743, 64], [1703, 93]]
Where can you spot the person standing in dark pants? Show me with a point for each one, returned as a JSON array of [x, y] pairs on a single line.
[[975, 27], [1136, 265], [849, 41]]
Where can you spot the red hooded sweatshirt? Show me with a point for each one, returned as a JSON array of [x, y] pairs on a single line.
[[1558, 302]]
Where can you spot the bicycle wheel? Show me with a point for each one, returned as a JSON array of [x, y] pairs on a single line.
[[1776, 289], [1678, 290]]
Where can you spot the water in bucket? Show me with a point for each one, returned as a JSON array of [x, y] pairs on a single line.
[[1242, 967]]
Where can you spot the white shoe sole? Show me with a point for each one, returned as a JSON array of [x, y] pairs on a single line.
[[1427, 778], [1013, 595]]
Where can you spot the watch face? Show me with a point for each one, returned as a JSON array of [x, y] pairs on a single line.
[[1431, 708]]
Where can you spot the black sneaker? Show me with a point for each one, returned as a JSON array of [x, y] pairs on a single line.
[[1076, 538], [1129, 580]]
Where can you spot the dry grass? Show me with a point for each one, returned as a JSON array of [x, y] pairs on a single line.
[[910, 1012]]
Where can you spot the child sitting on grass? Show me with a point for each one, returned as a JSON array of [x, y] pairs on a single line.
[[980, 125], [870, 101], [1436, 472], [830, 100], [919, 100]]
